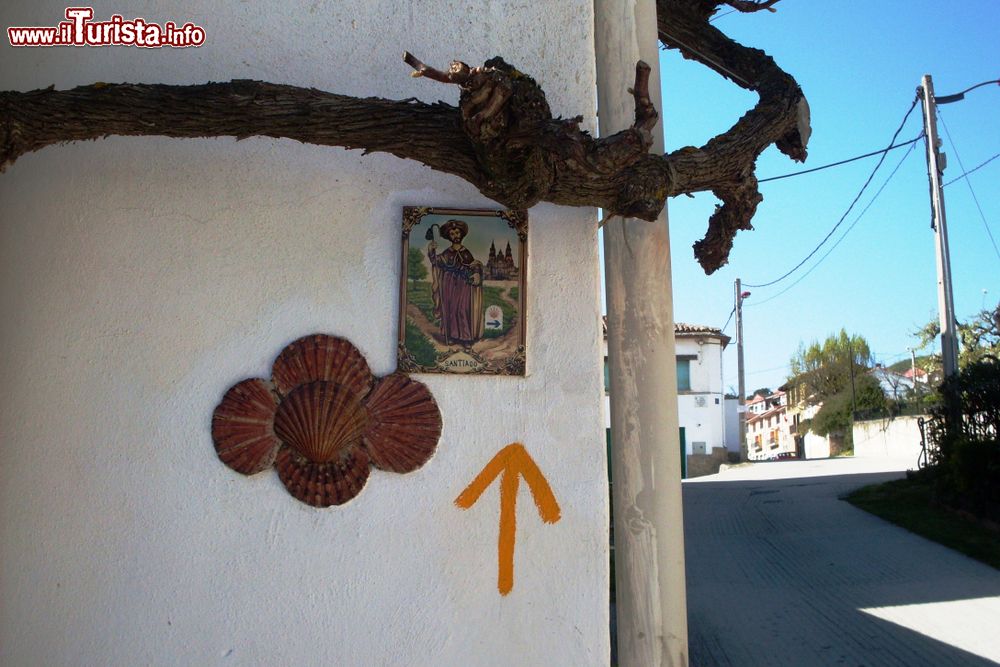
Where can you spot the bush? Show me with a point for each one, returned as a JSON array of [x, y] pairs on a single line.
[[974, 470], [836, 418], [964, 438]]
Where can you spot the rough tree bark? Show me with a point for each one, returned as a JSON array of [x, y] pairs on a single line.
[[502, 137]]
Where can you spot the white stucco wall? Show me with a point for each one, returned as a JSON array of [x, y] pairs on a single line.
[[706, 423], [141, 278], [816, 446], [702, 409], [897, 438], [732, 416]]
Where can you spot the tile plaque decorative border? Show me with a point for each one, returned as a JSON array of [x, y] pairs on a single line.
[[462, 291]]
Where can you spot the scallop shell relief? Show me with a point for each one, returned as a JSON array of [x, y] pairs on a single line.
[[322, 420]]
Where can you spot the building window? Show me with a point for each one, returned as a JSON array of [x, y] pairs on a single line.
[[683, 375], [607, 377], [684, 371]]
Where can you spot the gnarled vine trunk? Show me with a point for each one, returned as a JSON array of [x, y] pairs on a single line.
[[501, 138]]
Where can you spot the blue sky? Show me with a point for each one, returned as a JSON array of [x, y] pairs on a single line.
[[859, 64]]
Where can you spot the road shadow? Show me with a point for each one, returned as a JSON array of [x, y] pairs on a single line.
[[779, 571]]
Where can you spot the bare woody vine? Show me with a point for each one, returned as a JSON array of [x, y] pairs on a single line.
[[502, 137]]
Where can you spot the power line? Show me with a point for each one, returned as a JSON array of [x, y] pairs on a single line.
[[842, 237], [768, 370], [976, 168], [849, 208], [719, 66], [719, 16], [728, 319], [837, 164], [969, 183]]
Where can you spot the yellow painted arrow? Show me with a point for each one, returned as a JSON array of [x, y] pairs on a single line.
[[514, 462]]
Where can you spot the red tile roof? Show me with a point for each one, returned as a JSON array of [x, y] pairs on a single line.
[[682, 329]]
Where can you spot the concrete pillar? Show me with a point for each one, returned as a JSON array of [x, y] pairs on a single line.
[[649, 538]]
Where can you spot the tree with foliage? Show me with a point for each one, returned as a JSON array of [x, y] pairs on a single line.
[[834, 375], [502, 137], [979, 338], [823, 370], [415, 269], [835, 418]]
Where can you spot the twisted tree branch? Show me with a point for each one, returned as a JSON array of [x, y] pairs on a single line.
[[725, 165], [502, 137]]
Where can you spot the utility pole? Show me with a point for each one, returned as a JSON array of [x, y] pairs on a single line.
[[936, 164], [740, 372], [850, 360], [650, 582]]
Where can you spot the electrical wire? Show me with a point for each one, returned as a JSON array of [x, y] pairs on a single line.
[[976, 168], [982, 215], [769, 370], [849, 208], [728, 319], [720, 66], [842, 237], [719, 16], [837, 164], [848, 231]]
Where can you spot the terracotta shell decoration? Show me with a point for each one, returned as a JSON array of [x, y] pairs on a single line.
[[323, 420]]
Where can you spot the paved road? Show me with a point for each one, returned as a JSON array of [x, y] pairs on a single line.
[[782, 572]]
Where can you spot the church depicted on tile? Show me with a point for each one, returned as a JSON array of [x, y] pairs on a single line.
[[500, 266]]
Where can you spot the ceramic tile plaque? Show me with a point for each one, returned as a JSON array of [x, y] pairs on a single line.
[[462, 291]]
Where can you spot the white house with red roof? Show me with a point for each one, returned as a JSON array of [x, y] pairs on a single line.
[[916, 375], [701, 404]]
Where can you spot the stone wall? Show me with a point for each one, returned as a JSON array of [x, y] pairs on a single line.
[[699, 465]]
